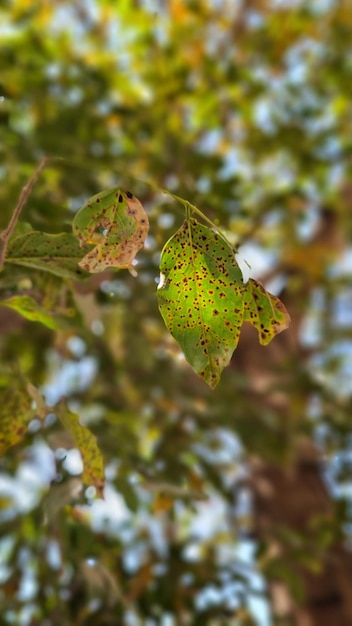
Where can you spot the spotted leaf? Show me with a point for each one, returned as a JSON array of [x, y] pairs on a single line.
[[264, 311], [57, 254], [16, 411], [116, 223], [85, 441], [200, 297]]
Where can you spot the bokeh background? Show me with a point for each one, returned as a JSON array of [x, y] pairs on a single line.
[[227, 507]]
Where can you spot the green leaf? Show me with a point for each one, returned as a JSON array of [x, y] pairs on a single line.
[[86, 443], [29, 308], [279, 569], [58, 254], [128, 492], [200, 297], [116, 223], [41, 408], [264, 311], [16, 411]]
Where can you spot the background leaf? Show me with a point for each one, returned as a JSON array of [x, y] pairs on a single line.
[[117, 223], [86, 443], [264, 311], [200, 297], [58, 254], [16, 411], [29, 308]]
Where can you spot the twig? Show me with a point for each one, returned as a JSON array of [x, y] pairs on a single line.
[[25, 193]]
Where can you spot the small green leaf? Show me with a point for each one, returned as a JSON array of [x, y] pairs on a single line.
[[57, 254], [31, 310], [116, 223], [264, 311], [86, 443], [200, 297], [128, 492], [16, 411], [280, 569], [41, 409]]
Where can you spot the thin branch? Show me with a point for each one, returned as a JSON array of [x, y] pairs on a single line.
[[25, 193]]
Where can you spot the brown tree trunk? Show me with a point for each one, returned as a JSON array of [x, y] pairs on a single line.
[[295, 498], [294, 514]]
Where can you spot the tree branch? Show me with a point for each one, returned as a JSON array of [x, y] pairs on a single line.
[[25, 193]]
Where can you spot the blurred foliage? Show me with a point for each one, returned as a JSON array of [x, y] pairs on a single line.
[[245, 110]]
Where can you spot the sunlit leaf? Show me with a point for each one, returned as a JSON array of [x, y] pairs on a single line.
[[16, 411], [264, 311], [117, 224], [86, 443], [29, 308], [58, 254], [200, 297]]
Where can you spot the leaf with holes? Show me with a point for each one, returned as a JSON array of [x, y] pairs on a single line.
[[57, 254], [264, 311], [16, 411], [117, 224], [86, 443], [200, 297]]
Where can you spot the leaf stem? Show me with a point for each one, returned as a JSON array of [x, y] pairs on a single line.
[[25, 193], [194, 209], [188, 205]]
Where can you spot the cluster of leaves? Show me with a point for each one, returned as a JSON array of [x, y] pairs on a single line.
[[201, 294]]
